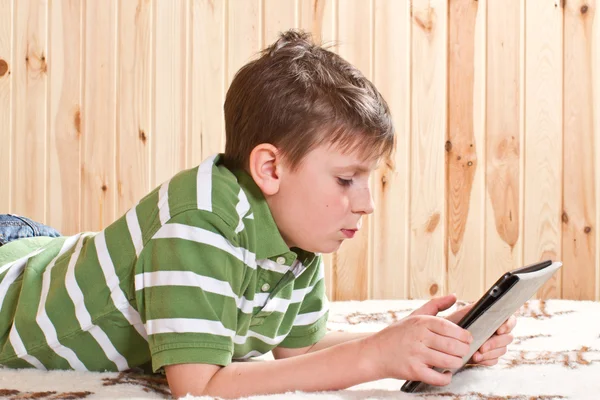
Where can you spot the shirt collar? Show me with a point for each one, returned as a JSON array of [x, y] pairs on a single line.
[[270, 243]]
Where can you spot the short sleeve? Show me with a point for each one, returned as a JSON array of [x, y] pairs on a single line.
[[188, 282], [310, 325]]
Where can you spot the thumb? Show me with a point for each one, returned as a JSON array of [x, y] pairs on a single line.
[[433, 306]]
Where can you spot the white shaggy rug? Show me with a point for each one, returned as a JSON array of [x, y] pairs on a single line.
[[555, 355]]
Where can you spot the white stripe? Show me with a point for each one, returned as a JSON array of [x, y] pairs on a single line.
[[200, 235], [112, 282], [187, 325], [251, 216], [271, 265], [310, 318], [187, 278], [253, 353], [25, 258], [183, 278], [134, 230], [42, 317], [83, 316], [260, 299], [163, 203], [242, 209], [204, 184], [11, 276], [21, 351], [242, 339]]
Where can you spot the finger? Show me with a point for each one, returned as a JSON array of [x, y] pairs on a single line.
[[435, 358], [495, 342], [507, 326], [459, 314], [433, 306], [442, 326], [435, 378], [447, 345], [489, 363], [493, 355]]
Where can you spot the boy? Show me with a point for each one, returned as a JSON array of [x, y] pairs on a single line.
[[222, 262]]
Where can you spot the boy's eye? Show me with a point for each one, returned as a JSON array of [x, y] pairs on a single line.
[[344, 182]]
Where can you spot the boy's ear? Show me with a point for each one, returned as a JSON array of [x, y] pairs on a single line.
[[265, 168]]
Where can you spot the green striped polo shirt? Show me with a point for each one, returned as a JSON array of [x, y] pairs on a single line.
[[195, 272]]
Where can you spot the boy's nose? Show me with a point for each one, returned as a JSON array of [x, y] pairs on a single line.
[[363, 202]]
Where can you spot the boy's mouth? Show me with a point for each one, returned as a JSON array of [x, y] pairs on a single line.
[[349, 233]]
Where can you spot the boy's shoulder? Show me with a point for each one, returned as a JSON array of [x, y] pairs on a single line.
[[207, 187], [211, 187]]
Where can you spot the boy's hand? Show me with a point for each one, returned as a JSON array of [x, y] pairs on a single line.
[[409, 348], [494, 347]]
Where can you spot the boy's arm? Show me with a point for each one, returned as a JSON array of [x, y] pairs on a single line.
[[329, 340], [316, 371]]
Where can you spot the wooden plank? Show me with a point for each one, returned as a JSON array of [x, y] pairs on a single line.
[[99, 188], [543, 130], [169, 101], [465, 148], [428, 135], [6, 76], [280, 15], [244, 34], [207, 129], [30, 70], [64, 139], [579, 208], [596, 116], [133, 103], [352, 259], [319, 18], [503, 246], [391, 184]]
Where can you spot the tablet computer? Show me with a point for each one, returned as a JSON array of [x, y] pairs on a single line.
[[499, 302]]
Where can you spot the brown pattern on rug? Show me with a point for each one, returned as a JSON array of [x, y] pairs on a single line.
[[390, 316], [156, 383], [521, 339], [570, 359], [540, 313], [51, 395]]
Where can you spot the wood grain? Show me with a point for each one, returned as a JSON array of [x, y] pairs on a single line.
[[279, 16], [503, 145], [579, 208], [133, 102], [64, 136], [391, 75], [352, 259], [543, 132], [6, 76], [244, 38], [207, 127], [464, 149], [169, 111], [30, 80], [99, 189], [428, 136]]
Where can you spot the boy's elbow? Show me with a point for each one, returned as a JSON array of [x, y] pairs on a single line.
[[192, 379]]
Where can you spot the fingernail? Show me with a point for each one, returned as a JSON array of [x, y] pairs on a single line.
[[477, 357]]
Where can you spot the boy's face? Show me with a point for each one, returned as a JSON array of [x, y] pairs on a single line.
[[320, 204]]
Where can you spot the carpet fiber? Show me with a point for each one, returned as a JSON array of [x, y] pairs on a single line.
[[555, 355]]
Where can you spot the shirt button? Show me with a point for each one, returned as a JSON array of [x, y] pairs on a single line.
[[265, 287], [281, 260]]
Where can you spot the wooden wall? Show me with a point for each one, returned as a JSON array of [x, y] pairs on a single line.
[[496, 104]]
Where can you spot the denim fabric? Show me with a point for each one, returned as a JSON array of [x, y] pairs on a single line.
[[13, 227]]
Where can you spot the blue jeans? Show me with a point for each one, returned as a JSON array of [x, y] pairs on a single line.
[[13, 227]]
